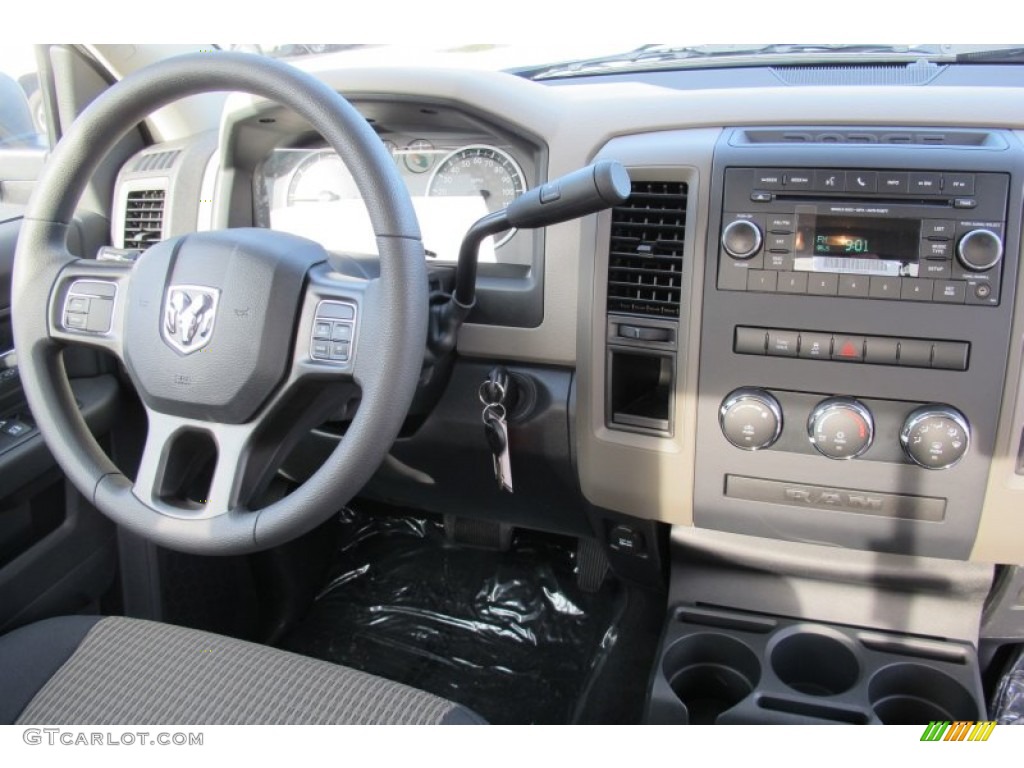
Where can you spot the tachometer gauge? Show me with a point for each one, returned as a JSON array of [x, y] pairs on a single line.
[[321, 178], [480, 171]]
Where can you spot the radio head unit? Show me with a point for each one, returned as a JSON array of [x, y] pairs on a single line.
[[929, 236]]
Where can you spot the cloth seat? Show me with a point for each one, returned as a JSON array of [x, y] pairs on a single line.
[[90, 670]]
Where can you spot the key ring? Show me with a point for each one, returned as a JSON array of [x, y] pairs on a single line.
[[492, 409], [501, 390]]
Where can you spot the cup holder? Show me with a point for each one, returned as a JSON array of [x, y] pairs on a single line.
[[711, 673], [815, 664], [913, 694]]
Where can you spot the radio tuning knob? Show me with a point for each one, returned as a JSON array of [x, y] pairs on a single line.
[[750, 418], [979, 249], [741, 239], [935, 436]]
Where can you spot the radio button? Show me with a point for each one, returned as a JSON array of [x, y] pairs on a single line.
[[915, 353], [799, 180], [861, 181], [779, 261], [950, 292], [938, 229], [823, 284], [979, 249], [779, 243], [849, 348], [893, 183], [816, 346], [959, 183], [853, 285], [792, 282], [830, 181], [781, 225], [881, 351], [783, 343], [761, 197], [916, 289], [965, 202], [759, 280], [936, 249], [884, 287], [926, 183], [769, 179], [935, 270]]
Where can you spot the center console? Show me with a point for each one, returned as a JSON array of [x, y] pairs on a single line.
[[854, 337]]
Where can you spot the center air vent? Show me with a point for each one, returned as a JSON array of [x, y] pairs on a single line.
[[143, 218], [645, 259]]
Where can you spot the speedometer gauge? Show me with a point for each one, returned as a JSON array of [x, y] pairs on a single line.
[[479, 171]]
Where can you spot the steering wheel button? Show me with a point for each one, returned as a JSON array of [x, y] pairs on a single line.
[[335, 310], [322, 330], [342, 332], [77, 304], [74, 321]]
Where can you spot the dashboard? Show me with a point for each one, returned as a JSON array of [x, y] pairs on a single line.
[[804, 325]]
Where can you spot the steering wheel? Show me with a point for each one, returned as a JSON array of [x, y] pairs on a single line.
[[237, 341]]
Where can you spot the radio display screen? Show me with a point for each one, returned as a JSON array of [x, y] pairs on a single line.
[[858, 245]]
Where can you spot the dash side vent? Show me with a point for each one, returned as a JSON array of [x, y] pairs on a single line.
[[143, 218], [156, 161], [645, 257]]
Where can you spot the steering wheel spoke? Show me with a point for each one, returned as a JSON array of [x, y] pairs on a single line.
[[87, 304], [336, 324]]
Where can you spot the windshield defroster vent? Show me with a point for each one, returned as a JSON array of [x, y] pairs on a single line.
[[143, 218], [645, 258]]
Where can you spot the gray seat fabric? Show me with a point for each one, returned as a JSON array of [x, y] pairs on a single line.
[[132, 672]]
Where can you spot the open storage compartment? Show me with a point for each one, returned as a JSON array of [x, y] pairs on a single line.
[[718, 667]]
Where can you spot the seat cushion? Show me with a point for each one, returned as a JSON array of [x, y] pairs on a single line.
[[118, 671]]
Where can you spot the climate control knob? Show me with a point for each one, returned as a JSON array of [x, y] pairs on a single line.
[[979, 249], [751, 418], [935, 436], [841, 428], [741, 239]]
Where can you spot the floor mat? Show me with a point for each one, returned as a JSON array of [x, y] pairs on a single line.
[[508, 634]]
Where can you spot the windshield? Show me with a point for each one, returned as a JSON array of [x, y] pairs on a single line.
[[542, 62]]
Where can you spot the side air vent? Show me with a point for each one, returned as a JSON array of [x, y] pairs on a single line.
[[645, 259], [156, 161], [143, 218], [918, 137]]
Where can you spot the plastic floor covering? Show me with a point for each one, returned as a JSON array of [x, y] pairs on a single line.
[[508, 634]]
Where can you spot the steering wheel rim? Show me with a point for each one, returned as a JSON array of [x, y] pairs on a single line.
[[391, 329]]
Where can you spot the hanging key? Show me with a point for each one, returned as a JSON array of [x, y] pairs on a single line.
[[496, 431], [492, 394]]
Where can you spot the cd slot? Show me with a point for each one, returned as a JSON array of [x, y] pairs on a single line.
[[820, 198]]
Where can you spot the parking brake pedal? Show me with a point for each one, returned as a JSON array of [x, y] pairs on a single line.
[[482, 534]]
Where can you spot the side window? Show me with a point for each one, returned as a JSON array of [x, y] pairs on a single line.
[[22, 114]]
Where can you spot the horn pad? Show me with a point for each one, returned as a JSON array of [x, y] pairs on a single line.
[[210, 320]]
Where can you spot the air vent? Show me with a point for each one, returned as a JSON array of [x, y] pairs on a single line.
[[917, 73], [918, 137], [143, 218], [156, 161], [645, 259]]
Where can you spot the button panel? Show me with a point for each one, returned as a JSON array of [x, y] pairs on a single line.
[[873, 350], [89, 307], [949, 206], [333, 336]]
